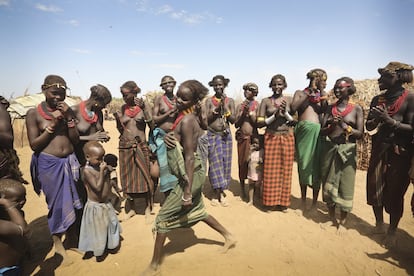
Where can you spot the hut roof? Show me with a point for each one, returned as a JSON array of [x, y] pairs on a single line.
[[20, 105]]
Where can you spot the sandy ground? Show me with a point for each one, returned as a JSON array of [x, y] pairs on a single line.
[[272, 243]]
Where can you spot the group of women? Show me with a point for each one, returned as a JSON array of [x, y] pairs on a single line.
[[188, 128]]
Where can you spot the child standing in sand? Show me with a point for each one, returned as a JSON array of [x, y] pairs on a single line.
[[100, 229], [255, 169]]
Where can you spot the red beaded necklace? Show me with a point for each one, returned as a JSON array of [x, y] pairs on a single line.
[[393, 109], [275, 104], [88, 118], [335, 112], [181, 116], [45, 111], [216, 101], [132, 111], [313, 98], [168, 101], [252, 105]]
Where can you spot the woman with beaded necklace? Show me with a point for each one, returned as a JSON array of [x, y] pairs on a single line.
[[52, 134], [392, 114], [309, 103], [279, 146], [164, 114], [184, 207], [90, 119], [134, 152], [220, 114], [342, 126]]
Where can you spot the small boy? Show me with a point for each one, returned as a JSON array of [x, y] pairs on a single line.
[[13, 227], [115, 196], [100, 228], [255, 168]]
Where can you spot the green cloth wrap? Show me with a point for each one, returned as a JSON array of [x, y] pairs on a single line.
[[172, 215], [338, 169]]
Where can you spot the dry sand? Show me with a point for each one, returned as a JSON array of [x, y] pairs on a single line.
[[272, 243]]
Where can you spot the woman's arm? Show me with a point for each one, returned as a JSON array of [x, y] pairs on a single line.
[[6, 131], [37, 140], [17, 225], [188, 135]]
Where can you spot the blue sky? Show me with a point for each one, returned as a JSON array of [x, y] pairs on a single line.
[[113, 41]]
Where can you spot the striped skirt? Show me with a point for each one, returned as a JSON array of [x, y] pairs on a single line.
[[134, 168]]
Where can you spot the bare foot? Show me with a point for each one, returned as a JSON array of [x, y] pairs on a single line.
[[326, 225], [341, 231], [250, 203], [151, 271], [127, 216], [214, 202], [390, 241], [229, 243], [148, 218], [224, 203], [76, 250], [66, 260], [223, 200], [379, 229], [58, 246], [299, 212]]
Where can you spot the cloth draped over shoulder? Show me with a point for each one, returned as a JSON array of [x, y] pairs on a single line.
[[57, 177], [220, 146], [307, 153], [338, 169], [134, 167], [157, 145], [100, 228], [172, 215]]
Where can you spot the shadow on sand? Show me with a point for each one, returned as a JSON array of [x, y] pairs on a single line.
[[40, 245], [182, 238], [401, 256]]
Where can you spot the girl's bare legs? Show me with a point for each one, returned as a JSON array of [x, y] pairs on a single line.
[[251, 192]]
